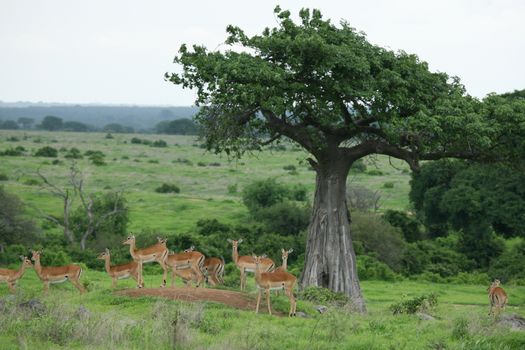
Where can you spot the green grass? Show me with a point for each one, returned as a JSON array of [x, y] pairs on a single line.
[[148, 322], [204, 190]]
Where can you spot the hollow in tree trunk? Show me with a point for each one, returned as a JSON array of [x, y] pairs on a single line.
[[330, 260]]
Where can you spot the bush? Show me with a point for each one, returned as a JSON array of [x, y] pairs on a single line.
[[423, 303], [3, 177], [183, 161], [263, 193], [323, 295], [159, 143], [201, 164], [73, 153], [168, 188], [31, 182], [97, 158], [109, 136], [379, 238], [136, 140], [286, 218], [369, 268], [375, 172], [214, 164], [509, 265], [388, 185], [47, 151], [11, 152], [358, 166], [232, 189], [289, 167], [409, 225]]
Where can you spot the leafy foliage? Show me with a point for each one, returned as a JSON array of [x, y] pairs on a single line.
[[422, 303], [168, 188], [46, 151]]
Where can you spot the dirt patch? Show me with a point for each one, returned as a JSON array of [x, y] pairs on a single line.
[[237, 300]]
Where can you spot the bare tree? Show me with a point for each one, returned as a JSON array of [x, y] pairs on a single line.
[[73, 190]]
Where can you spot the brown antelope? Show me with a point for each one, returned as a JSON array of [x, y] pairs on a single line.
[[497, 297], [12, 276], [190, 260], [57, 274], [284, 256], [118, 272], [246, 263], [157, 252], [213, 269], [275, 280]]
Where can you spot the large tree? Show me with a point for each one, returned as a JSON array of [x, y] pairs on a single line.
[[326, 88]]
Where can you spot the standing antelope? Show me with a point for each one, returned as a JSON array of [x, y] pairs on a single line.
[[12, 276], [246, 263], [213, 269], [284, 256], [275, 280], [57, 274], [118, 272], [157, 252], [498, 298], [186, 264]]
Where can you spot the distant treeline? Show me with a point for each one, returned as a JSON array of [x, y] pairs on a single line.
[[182, 126], [138, 118]]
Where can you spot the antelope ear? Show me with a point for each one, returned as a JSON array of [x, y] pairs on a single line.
[[240, 240], [291, 250], [263, 256], [22, 257], [282, 250], [107, 251], [228, 240], [192, 247]]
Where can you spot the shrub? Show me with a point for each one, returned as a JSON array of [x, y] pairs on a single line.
[[369, 268], [409, 225], [153, 161], [167, 188], [388, 185], [12, 152], [460, 329], [47, 151], [3, 177], [375, 172], [13, 139], [31, 182], [97, 158], [201, 164], [509, 265], [264, 193], [422, 303], [57, 162], [289, 167], [159, 143], [232, 189], [362, 198], [323, 295], [109, 136], [214, 164], [73, 153], [183, 161], [298, 192], [286, 218], [136, 140], [358, 166]]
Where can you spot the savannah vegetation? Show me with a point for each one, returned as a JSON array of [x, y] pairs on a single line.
[[428, 237]]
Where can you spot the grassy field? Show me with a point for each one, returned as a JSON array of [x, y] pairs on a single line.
[[139, 169], [207, 182]]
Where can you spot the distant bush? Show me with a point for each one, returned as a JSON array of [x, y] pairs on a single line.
[[201, 164], [361, 198], [96, 157], [183, 161], [109, 136], [214, 164], [232, 189], [73, 153], [323, 295], [136, 140], [375, 172], [409, 225], [264, 193], [167, 188], [358, 166], [153, 161], [57, 162], [46, 151], [279, 148], [423, 303], [509, 265], [285, 218], [388, 185], [13, 152], [31, 182], [3, 177], [289, 167], [125, 157], [13, 139], [159, 143]]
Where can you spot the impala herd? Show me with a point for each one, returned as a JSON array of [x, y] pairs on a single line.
[[192, 266]]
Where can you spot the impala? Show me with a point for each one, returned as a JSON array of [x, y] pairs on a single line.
[[275, 280], [188, 260], [118, 272], [498, 298], [157, 252], [57, 274], [213, 269], [12, 276], [246, 263], [284, 256]]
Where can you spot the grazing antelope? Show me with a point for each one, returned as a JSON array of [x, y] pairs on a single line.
[[12, 276], [157, 252], [246, 263], [214, 268], [57, 274], [118, 272], [189, 260], [275, 280], [498, 298]]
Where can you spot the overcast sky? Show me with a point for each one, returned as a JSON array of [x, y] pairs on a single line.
[[109, 51]]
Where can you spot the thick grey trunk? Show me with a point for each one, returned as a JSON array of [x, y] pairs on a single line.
[[330, 260]]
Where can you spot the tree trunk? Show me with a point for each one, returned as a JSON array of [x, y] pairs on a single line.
[[330, 260]]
